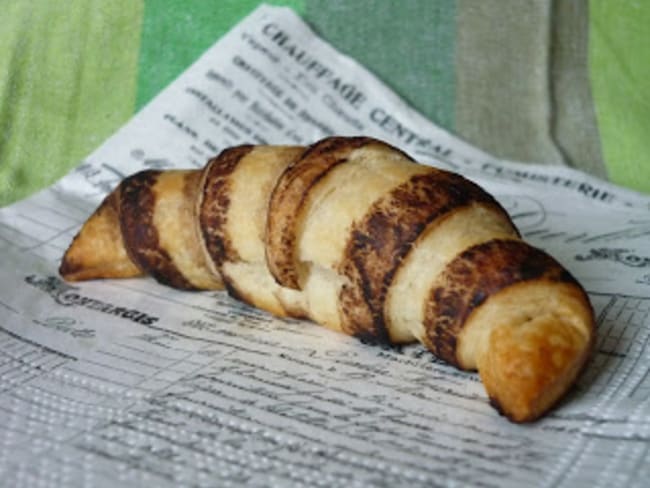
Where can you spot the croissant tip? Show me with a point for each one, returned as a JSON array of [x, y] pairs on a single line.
[[71, 269], [66, 270], [518, 416], [528, 370]]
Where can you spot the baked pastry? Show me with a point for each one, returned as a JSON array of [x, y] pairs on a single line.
[[355, 235]]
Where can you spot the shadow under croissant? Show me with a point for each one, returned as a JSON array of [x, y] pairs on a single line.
[[354, 235]]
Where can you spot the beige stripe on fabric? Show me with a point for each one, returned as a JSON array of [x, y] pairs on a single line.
[[574, 125], [522, 82]]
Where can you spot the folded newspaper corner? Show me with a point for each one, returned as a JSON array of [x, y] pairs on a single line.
[[137, 370]]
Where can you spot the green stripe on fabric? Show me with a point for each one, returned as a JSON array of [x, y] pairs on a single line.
[[176, 32], [408, 45], [67, 81], [620, 74]]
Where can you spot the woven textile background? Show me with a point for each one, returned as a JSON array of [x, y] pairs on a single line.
[[546, 81]]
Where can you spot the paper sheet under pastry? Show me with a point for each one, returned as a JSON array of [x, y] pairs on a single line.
[[133, 383]]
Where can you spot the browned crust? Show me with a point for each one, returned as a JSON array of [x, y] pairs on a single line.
[[380, 242], [137, 203], [68, 268], [215, 201], [472, 277], [289, 196]]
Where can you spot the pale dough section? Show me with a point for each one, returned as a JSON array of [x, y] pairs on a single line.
[[442, 241], [340, 199], [177, 226], [251, 184]]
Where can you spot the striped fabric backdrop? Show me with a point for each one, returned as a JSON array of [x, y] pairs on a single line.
[[546, 81]]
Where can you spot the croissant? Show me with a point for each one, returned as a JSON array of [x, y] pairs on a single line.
[[355, 235]]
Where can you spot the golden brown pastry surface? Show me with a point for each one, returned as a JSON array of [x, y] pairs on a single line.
[[356, 236], [98, 250]]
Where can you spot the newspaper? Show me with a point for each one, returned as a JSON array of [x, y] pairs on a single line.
[[128, 382]]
